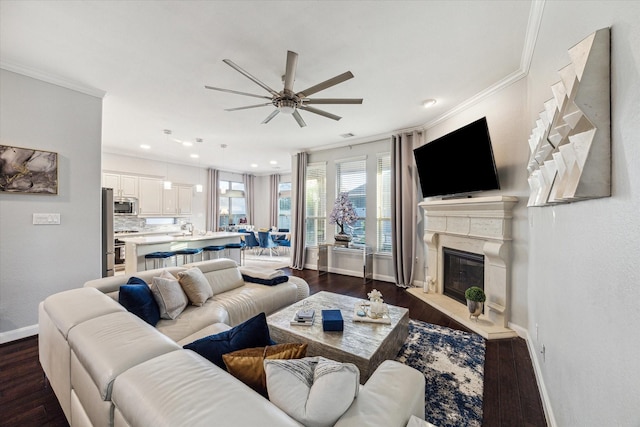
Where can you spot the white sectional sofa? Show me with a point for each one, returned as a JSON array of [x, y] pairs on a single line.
[[108, 367]]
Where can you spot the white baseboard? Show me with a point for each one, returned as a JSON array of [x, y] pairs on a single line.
[[546, 401], [18, 334]]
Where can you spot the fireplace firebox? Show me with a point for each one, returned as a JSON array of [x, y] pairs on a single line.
[[461, 271]]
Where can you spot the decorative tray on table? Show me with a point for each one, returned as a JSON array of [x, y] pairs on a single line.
[[362, 313]]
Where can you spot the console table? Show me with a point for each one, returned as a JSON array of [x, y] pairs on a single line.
[[327, 252]]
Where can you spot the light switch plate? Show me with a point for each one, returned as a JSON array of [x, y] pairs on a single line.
[[46, 218]]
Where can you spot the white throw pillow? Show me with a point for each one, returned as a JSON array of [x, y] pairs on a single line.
[[195, 285], [169, 295], [314, 391]]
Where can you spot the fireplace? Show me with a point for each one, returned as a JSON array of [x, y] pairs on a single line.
[[461, 271], [468, 243]]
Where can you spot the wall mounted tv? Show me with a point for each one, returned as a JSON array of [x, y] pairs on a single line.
[[458, 163]]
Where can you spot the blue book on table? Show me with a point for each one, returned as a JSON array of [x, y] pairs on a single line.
[[332, 320]]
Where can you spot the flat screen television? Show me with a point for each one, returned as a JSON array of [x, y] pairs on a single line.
[[458, 163]]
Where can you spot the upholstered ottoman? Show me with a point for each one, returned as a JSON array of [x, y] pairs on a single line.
[[101, 349]]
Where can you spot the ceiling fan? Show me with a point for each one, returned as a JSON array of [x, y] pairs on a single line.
[[287, 101]]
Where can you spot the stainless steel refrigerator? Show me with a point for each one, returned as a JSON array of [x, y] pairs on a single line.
[[108, 250]]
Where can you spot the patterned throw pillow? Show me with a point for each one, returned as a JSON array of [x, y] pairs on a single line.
[[314, 391]]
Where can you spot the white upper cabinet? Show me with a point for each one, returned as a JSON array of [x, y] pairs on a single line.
[[123, 185], [150, 201], [177, 201]]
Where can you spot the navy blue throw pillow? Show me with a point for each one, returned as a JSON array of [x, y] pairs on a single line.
[[252, 333], [137, 298]]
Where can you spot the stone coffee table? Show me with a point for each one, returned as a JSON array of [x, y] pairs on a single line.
[[364, 344]]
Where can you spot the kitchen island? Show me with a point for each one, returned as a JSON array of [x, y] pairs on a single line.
[[137, 247]]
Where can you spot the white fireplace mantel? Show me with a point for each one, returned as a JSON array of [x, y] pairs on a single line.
[[478, 225]]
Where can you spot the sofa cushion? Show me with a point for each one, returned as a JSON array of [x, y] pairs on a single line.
[[137, 298], [314, 391], [248, 365], [195, 285], [109, 345], [169, 295], [222, 274], [193, 319], [183, 389], [252, 333]]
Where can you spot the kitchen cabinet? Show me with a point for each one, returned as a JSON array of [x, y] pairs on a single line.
[[150, 201], [177, 201], [123, 185]]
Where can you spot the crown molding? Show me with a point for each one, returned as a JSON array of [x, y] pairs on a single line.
[[531, 37], [53, 79]]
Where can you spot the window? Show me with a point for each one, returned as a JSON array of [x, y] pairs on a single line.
[[284, 205], [232, 203], [352, 179], [316, 201], [383, 188]]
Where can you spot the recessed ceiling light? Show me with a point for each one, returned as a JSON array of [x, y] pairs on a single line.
[[145, 146], [273, 162], [254, 165], [194, 156], [429, 103], [187, 143]]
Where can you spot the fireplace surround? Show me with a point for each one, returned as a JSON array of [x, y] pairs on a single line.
[[480, 226]]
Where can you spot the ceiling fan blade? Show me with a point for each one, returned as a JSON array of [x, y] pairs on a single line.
[[320, 112], [247, 107], [290, 74], [332, 101], [249, 76], [326, 84], [271, 116], [236, 92], [298, 118]]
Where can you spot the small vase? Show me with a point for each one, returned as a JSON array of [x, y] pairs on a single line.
[[475, 309]]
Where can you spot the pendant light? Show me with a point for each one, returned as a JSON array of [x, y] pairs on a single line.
[[166, 184]]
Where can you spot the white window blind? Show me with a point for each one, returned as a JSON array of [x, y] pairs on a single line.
[[232, 203], [383, 189], [352, 179], [316, 201]]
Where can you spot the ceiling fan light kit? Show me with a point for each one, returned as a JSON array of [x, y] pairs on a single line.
[[287, 101]]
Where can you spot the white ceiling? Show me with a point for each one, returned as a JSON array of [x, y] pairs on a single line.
[[152, 59]]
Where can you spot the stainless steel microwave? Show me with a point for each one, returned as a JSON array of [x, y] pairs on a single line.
[[125, 206]]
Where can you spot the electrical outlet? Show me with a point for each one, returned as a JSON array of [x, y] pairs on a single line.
[[544, 353], [46, 218]]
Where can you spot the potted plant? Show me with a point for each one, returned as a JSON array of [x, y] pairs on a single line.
[[343, 214], [475, 300]]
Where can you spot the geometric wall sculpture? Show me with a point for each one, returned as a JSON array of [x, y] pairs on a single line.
[[570, 146]]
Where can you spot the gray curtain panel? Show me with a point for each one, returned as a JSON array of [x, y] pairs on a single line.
[[274, 181], [213, 215], [298, 211], [405, 206], [249, 197]]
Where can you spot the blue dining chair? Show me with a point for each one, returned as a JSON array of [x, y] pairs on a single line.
[[265, 241], [250, 241]]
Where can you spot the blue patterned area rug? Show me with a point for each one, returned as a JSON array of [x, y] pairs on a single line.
[[453, 364]]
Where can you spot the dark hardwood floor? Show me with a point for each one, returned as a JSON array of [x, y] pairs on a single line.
[[511, 396]]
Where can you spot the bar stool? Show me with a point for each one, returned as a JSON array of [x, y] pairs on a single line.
[[211, 250], [159, 259], [230, 246], [187, 254]]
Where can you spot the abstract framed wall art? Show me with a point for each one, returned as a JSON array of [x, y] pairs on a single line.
[[25, 170]]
